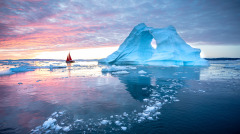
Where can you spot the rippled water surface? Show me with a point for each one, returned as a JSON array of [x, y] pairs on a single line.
[[55, 97]]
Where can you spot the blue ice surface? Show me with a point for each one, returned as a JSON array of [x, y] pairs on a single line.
[[171, 49]]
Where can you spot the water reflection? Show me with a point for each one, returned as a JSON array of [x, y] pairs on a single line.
[[69, 65], [139, 85]]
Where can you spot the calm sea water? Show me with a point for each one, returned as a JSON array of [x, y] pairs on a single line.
[[79, 98]]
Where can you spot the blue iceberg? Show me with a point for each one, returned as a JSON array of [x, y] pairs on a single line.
[[171, 49]]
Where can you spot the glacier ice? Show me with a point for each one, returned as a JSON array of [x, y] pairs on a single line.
[[171, 49]]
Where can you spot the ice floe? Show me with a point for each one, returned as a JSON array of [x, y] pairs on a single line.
[[115, 68], [142, 72], [120, 72]]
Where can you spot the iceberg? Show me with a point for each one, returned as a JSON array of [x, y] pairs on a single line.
[[171, 49]]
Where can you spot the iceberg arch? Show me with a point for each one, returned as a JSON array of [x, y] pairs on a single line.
[[171, 49]]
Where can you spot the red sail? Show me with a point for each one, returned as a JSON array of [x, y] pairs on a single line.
[[69, 57]]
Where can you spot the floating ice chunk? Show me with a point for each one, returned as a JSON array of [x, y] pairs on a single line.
[[66, 129], [145, 88], [146, 114], [61, 113], [202, 91], [19, 83], [21, 69], [150, 118], [6, 72], [159, 104], [118, 123], [145, 100], [104, 122], [49, 123], [157, 113], [124, 128], [57, 128], [120, 72], [115, 68], [150, 109], [79, 120], [142, 72], [125, 114], [38, 80], [53, 66]]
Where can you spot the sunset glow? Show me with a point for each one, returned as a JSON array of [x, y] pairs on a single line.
[[36, 28], [91, 53]]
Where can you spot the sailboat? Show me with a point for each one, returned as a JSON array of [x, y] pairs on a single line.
[[69, 59]]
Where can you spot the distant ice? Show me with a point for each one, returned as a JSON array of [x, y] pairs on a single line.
[[120, 72], [233, 66], [21, 69], [142, 72], [6, 72], [115, 68]]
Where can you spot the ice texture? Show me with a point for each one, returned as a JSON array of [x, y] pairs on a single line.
[[120, 72], [49, 123], [104, 122], [124, 128], [171, 49], [115, 68], [142, 72]]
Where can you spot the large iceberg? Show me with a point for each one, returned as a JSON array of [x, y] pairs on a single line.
[[171, 49]]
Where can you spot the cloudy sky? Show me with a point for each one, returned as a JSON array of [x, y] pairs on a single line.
[[29, 28]]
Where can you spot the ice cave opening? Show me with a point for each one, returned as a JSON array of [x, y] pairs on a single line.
[[153, 43]]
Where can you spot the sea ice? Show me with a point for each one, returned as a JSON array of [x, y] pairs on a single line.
[[118, 123], [150, 109], [125, 114], [49, 123], [6, 72], [142, 72], [21, 69], [66, 129], [57, 127], [104, 122], [120, 72], [171, 49], [124, 128], [150, 118], [115, 68]]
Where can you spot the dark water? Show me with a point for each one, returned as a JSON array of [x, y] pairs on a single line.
[[82, 99]]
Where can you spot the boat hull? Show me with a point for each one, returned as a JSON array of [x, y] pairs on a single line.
[[70, 61]]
